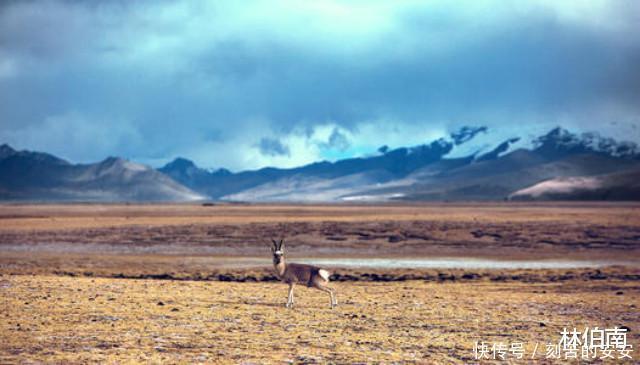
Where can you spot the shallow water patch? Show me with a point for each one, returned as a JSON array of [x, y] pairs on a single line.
[[462, 263]]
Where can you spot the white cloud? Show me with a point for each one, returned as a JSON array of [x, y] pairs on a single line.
[[78, 137], [208, 80]]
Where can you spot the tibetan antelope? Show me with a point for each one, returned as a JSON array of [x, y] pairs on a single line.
[[292, 274]]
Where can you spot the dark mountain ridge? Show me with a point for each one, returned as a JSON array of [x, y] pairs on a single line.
[[423, 172], [26, 175]]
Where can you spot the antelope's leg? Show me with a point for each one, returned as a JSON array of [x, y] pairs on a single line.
[[330, 291], [290, 299], [333, 298]]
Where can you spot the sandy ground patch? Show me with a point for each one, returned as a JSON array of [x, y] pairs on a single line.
[[61, 319]]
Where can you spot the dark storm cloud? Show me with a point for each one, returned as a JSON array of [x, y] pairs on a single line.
[[151, 80], [273, 147], [337, 140]]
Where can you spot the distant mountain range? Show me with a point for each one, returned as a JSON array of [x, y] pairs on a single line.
[[36, 176], [555, 165]]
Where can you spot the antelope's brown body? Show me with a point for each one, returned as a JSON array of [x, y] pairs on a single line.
[[292, 274]]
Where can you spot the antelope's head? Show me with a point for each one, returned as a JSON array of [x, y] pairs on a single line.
[[278, 251]]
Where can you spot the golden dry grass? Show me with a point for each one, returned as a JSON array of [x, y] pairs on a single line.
[[86, 320], [71, 216], [555, 230], [96, 317]]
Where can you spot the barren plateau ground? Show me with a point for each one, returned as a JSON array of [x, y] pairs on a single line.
[[92, 283]]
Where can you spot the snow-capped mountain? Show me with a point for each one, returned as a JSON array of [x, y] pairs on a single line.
[[480, 141], [472, 163]]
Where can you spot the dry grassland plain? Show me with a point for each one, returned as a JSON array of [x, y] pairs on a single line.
[[91, 283]]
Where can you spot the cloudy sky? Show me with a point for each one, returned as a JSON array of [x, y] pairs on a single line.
[[246, 84]]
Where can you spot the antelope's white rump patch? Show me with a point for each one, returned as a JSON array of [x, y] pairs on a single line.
[[324, 274]]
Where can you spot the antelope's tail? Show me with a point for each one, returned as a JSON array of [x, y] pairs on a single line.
[[324, 274]]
